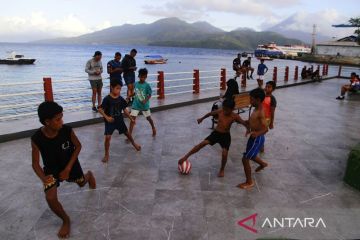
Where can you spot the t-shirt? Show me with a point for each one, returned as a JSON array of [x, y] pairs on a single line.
[[113, 64], [247, 63], [114, 107], [55, 152], [268, 103], [236, 63], [92, 67], [142, 91], [261, 69], [127, 63]]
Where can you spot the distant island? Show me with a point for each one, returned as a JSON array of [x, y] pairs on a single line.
[[174, 32]]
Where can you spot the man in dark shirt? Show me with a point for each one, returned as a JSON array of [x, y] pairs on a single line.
[[237, 63], [129, 67], [247, 66], [115, 70]]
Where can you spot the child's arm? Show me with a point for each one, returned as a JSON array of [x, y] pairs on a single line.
[[213, 113], [271, 125], [239, 120], [102, 113], [64, 175], [35, 152]]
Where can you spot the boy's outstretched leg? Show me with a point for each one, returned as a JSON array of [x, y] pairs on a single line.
[[224, 156], [107, 148], [152, 125], [262, 164], [132, 125], [194, 150], [247, 169], [130, 138], [56, 207]]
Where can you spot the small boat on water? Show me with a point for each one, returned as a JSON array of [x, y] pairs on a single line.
[[155, 59], [266, 58], [15, 58]]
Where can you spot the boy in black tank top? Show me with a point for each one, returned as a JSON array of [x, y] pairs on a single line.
[[59, 148]]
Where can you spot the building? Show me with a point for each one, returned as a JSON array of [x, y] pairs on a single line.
[[347, 47]]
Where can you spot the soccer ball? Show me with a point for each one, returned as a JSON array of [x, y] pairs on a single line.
[[185, 167]]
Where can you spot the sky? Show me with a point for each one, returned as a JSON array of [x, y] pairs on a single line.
[[27, 20]]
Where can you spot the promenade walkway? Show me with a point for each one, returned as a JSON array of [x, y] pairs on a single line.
[[142, 196]]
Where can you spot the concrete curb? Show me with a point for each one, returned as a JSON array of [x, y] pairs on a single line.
[[30, 132]]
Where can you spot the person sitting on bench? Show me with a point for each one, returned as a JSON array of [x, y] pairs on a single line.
[[354, 86]]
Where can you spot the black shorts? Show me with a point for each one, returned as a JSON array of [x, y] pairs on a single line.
[[117, 125], [76, 175], [129, 78], [224, 139]]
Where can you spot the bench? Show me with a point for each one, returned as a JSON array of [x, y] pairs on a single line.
[[241, 101]]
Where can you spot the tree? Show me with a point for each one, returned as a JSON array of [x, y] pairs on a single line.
[[356, 23]]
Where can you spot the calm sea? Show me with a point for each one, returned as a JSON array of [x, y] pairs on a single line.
[[67, 62]]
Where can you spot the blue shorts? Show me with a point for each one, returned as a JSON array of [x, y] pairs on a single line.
[[254, 146], [117, 125], [129, 78]]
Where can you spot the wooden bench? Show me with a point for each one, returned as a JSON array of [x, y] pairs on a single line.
[[241, 101]]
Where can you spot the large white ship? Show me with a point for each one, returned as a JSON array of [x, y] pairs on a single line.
[[273, 50]]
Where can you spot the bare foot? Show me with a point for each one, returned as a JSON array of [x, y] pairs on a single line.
[[181, 161], [137, 147], [154, 132], [64, 231], [105, 159], [92, 181], [221, 173], [246, 185], [261, 167]]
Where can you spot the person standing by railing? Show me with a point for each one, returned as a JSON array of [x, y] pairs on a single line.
[[129, 67], [94, 69], [115, 70]]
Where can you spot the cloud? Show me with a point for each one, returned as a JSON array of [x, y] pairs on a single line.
[[38, 26]]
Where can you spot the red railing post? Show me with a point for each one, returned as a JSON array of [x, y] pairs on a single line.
[[286, 77], [275, 75], [340, 69], [223, 79], [324, 70], [161, 85], [296, 75], [327, 70], [48, 92], [243, 79], [196, 86], [318, 69]]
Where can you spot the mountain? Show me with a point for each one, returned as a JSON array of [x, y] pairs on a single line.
[[299, 27], [177, 33]]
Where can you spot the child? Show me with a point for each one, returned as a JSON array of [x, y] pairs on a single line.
[[221, 134], [111, 109], [141, 102], [59, 148], [262, 69], [269, 105], [257, 131]]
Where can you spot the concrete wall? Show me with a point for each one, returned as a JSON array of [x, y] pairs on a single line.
[[350, 51]]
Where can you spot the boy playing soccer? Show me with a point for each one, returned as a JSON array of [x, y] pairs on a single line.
[[141, 102], [59, 148], [262, 69], [269, 105], [111, 109], [257, 124], [221, 134]]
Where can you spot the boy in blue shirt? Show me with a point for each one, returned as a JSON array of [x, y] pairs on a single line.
[[262, 69], [141, 102]]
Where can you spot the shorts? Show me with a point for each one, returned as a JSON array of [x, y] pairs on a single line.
[[260, 77], [117, 80], [96, 83], [76, 175], [224, 139], [355, 88], [254, 146], [135, 113], [129, 78], [117, 125]]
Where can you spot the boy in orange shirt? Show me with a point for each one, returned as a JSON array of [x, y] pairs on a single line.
[[269, 105]]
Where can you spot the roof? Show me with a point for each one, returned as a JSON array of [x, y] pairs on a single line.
[[349, 41]]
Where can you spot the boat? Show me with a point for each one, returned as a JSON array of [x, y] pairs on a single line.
[[274, 51], [266, 58], [155, 59], [14, 58]]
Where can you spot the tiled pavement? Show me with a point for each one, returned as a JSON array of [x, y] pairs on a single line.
[[142, 196]]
